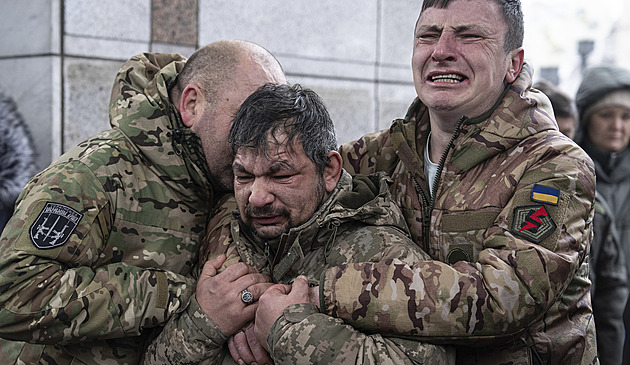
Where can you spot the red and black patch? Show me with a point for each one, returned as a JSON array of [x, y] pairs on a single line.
[[533, 223], [54, 225]]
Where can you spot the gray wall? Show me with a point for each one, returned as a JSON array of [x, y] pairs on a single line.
[[58, 58]]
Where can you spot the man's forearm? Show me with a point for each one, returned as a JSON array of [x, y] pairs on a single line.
[[304, 336], [60, 305]]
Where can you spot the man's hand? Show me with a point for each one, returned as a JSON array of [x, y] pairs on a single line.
[[272, 303], [219, 296], [245, 348]]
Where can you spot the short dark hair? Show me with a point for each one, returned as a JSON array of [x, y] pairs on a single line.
[[298, 113], [512, 14], [563, 105]]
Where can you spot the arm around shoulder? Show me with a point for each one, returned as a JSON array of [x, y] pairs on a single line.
[[55, 273]]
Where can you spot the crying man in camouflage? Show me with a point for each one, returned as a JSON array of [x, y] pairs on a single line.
[[298, 213], [101, 248], [491, 190]]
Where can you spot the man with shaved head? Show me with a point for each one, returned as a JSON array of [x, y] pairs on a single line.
[[100, 250]]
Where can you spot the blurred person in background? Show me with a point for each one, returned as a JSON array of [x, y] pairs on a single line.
[[603, 102], [17, 157], [607, 262], [563, 107]]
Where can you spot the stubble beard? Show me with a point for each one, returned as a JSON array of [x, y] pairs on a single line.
[[270, 210]]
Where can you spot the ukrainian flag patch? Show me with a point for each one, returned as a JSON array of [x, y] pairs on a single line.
[[544, 194]]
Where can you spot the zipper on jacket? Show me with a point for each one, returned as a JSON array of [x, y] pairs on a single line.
[[426, 218], [332, 226], [426, 215], [267, 253]]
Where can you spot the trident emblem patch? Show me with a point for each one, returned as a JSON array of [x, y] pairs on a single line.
[[53, 227]]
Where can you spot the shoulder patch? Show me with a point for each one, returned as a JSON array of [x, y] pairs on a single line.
[[54, 225], [544, 194], [533, 223]]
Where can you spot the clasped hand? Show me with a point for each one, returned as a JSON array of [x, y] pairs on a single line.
[[219, 297]]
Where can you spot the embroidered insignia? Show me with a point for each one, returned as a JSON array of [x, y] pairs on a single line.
[[544, 194], [532, 222], [55, 224]]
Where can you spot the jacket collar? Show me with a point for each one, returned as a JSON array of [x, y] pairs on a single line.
[[520, 112], [362, 198], [141, 109]]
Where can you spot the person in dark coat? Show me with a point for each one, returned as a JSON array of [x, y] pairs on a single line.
[[607, 262], [17, 157], [603, 102]]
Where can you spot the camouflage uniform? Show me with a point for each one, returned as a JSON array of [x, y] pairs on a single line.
[[509, 229], [101, 247], [358, 222]]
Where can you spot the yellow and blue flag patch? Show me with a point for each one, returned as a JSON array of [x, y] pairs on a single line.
[[544, 194]]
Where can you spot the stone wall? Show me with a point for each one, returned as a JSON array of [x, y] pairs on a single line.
[[58, 58]]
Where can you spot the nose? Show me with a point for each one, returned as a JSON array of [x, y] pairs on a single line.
[[617, 123], [260, 193], [444, 48]]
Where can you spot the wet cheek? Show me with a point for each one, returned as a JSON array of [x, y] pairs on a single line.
[[241, 195]]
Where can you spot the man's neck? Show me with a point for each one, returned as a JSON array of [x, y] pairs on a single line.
[[442, 129]]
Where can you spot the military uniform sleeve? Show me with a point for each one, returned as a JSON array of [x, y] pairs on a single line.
[[57, 285], [188, 338], [304, 336], [191, 336], [511, 284]]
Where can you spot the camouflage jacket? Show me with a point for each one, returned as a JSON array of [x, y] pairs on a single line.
[[508, 228], [358, 222], [102, 244]]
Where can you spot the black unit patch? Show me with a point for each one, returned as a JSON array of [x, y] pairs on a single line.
[[532, 222], [54, 225]]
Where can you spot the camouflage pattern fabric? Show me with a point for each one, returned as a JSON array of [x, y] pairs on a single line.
[[358, 222], [101, 247], [508, 282]]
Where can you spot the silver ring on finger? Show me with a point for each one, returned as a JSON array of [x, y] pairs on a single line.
[[247, 297]]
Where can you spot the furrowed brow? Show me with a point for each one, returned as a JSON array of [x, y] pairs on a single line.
[[462, 28], [280, 166], [238, 167], [430, 28]]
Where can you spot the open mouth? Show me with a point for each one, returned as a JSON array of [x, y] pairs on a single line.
[[448, 78]]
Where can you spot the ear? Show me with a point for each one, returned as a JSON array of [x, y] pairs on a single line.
[[516, 58], [190, 104], [332, 171]]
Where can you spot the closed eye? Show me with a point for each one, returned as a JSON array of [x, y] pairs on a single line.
[[282, 178], [243, 179], [470, 36]]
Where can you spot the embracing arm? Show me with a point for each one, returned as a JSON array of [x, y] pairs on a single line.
[[55, 285], [511, 284], [302, 335], [192, 336]]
